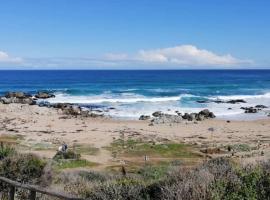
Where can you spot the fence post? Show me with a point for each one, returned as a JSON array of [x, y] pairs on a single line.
[[11, 193], [32, 195]]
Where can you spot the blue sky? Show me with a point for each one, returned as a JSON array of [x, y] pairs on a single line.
[[134, 34]]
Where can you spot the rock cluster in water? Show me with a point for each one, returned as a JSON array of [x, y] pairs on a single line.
[[234, 101], [255, 109]]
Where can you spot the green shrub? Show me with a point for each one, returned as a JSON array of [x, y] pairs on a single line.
[[5, 150], [66, 155], [24, 168], [120, 189], [150, 172]]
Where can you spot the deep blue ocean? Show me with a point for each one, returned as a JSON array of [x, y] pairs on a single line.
[[133, 92]]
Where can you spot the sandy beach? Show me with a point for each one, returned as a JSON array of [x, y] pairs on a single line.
[[42, 130]]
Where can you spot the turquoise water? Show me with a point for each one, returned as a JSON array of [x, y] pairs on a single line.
[[133, 93]]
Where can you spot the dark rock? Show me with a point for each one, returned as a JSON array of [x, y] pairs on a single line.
[[207, 114], [236, 101], [191, 116], [157, 114], [200, 117], [261, 106], [185, 116], [166, 118], [44, 95], [19, 95], [229, 108], [250, 109], [203, 101], [144, 117]]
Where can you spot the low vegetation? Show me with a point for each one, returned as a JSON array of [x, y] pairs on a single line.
[[216, 179], [77, 163], [135, 148]]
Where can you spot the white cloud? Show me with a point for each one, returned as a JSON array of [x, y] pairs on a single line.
[[5, 58], [182, 56], [185, 55]]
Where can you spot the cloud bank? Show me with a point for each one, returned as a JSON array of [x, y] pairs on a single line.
[[189, 55], [182, 56], [5, 58]]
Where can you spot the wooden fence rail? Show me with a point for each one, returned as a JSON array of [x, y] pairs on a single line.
[[33, 190]]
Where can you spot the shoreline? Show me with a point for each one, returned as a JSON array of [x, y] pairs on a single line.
[[41, 130]]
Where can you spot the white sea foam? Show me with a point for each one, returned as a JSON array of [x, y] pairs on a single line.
[[105, 98], [131, 105], [245, 97]]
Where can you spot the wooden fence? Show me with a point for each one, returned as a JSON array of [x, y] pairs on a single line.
[[33, 190]]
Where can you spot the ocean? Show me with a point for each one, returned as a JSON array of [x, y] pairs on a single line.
[[135, 92]]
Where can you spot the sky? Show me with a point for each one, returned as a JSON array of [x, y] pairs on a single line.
[[141, 34]]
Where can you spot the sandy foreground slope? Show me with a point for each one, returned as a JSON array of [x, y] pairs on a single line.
[[41, 130]]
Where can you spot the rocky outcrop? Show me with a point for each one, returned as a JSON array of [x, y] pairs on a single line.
[[17, 97], [76, 110], [167, 118], [204, 114], [44, 95]]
